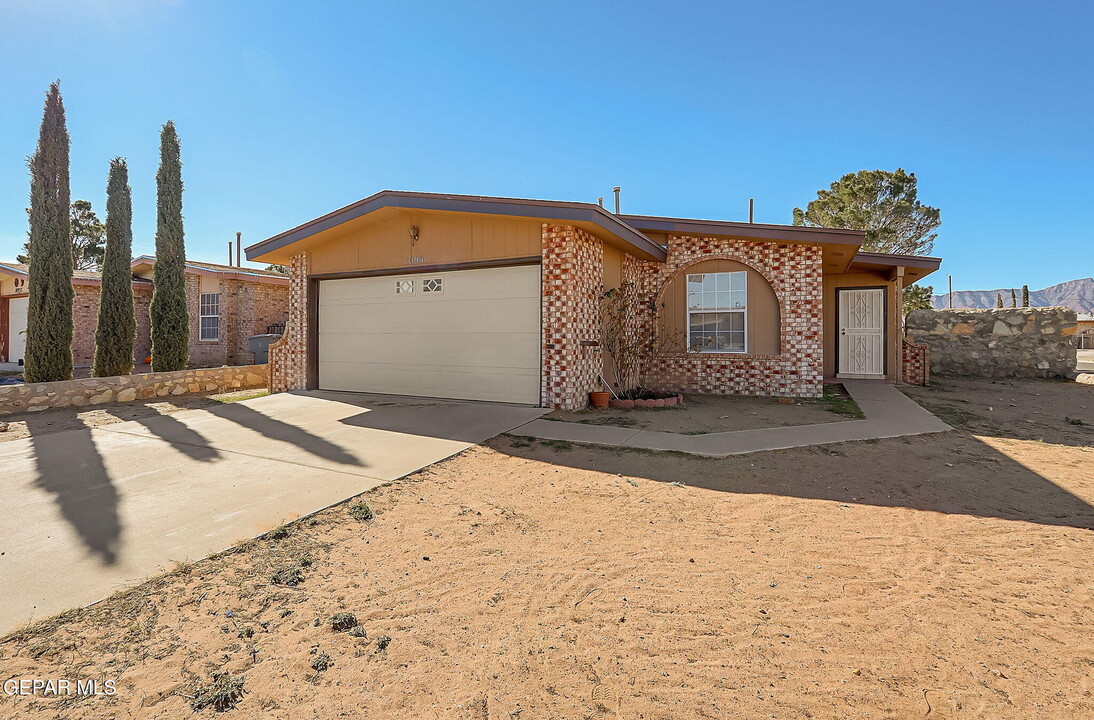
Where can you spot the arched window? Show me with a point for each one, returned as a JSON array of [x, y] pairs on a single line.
[[722, 306]]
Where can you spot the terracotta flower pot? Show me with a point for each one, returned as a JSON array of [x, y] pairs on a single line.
[[599, 400]]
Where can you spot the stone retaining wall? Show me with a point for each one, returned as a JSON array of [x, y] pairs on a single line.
[[125, 388], [1003, 342]]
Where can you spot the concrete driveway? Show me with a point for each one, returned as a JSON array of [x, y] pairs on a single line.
[[86, 512]]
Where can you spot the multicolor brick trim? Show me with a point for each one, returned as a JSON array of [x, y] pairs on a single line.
[[289, 355], [573, 280], [794, 272], [916, 363]]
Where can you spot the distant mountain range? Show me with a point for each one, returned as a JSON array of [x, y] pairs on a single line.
[[1075, 294]]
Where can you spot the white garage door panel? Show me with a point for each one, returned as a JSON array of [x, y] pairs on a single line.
[[478, 339]]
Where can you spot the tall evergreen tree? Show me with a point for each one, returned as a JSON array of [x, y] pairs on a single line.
[[170, 322], [1013, 298], [48, 354], [998, 300], [1025, 296], [117, 325]]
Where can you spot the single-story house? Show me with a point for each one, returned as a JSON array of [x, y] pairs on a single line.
[[1085, 330], [227, 305], [488, 298]]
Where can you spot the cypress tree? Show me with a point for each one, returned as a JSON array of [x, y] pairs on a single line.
[[1013, 298], [1025, 296], [117, 326], [48, 353], [998, 300], [170, 322]]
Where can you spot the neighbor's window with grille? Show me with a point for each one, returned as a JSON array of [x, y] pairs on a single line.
[[210, 316], [717, 308]]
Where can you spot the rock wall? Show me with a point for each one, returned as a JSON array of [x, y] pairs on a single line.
[[1004, 342], [126, 388]]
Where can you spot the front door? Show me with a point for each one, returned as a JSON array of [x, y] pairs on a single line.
[[861, 339]]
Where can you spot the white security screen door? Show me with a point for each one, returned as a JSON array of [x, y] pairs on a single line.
[[862, 333]]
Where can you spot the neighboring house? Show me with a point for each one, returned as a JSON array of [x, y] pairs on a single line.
[[497, 299], [85, 312], [227, 305], [1085, 329]]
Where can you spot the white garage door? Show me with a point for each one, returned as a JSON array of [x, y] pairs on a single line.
[[467, 334], [17, 326]]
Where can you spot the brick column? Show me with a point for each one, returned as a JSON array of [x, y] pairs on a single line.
[[573, 280], [289, 356]]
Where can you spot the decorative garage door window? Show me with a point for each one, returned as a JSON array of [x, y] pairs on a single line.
[[210, 316], [717, 312], [432, 285], [404, 287]]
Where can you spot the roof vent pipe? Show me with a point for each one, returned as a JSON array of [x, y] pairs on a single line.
[[239, 246], [229, 252], [616, 191], [751, 209], [600, 201]]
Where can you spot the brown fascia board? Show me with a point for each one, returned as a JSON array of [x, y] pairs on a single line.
[[786, 233], [234, 274], [516, 207], [894, 260], [16, 272]]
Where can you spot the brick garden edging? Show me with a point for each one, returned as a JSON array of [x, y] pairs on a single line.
[[125, 388]]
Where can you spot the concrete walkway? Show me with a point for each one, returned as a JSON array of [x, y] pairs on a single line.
[[889, 413], [88, 511]]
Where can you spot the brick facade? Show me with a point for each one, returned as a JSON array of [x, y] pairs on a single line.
[[246, 309], [289, 355], [915, 363], [573, 280], [794, 273]]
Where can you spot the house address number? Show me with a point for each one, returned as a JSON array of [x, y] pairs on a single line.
[[415, 260]]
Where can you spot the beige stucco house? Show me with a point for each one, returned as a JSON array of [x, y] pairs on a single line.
[[488, 298]]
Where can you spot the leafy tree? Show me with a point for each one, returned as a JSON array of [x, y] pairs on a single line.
[[917, 297], [882, 203], [48, 353], [1025, 296], [88, 236], [998, 300], [278, 269], [170, 321], [117, 326]]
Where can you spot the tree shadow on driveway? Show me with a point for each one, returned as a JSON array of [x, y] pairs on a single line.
[[81, 488]]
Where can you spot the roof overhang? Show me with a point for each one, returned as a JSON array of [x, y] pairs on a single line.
[[594, 216], [916, 267], [146, 263], [838, 246], [20, 273]]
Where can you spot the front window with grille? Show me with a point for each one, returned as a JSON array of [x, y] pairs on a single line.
[[210, 316], [717, 307]]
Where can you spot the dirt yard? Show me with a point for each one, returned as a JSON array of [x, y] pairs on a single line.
[[944, 576], [22, 425], [703, 414]]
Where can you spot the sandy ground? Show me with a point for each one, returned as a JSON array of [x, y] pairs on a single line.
[[945, 576], [23, 425], [703, 414]]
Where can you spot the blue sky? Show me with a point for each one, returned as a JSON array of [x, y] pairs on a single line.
[[288, 110]]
